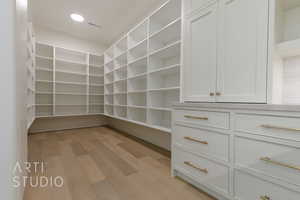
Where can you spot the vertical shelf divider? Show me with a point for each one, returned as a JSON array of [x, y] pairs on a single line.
[[88, 83], [147, 70], [54, 82]]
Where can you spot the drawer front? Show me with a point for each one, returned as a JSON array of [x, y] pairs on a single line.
[[273, 159], [203, 118], [248, 187], [202, 141], [275, 126], [202, 170]]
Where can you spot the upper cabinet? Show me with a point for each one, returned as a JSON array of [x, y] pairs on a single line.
[[200, 52], [226, 51], [243, 48]]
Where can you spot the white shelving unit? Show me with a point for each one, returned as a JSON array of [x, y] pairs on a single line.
[[286, 53], [31, 75], [69, 83], [142, 70]]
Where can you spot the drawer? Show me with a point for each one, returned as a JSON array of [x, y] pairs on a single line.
[[273, 159], [203, 118], [202, 170], [248, 187], [275, 126], [202, 141]]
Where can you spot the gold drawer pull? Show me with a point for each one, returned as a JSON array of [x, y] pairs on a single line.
[[265, 198], [280, 128], [194, 117], [269, 160], [195, 140], [195, 167]]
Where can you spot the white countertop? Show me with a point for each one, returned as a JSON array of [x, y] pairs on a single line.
[[239, 106]]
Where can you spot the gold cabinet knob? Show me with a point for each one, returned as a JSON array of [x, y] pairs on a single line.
[[212, 94], [218, 94], [265, 198]]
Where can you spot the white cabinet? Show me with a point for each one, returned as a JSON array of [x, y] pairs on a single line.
[[200, 52], [242, 59], [226, 52], [260, 189], [225, 149]]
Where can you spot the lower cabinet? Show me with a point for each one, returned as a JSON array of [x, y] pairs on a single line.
[[249, 187], [203, 170], [252, 159]]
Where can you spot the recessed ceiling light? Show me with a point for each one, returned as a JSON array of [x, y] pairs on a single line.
[[77, 17]]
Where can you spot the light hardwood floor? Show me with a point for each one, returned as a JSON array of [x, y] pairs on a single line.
[[102, 164]]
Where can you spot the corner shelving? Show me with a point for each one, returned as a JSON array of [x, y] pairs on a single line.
[[95, 98], [44, 80], [31, 75], [69, 83], [137, 114], [138, 35], [165, 15], [44, 62], [136, 79], [121, 47], [168, 35], [142, 70], [164, 57], [138, 52], [160, 118]]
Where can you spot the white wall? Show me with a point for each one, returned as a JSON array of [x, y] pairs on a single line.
[[13, 143], [61, 39]]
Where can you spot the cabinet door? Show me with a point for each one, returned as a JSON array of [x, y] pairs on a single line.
[[243, 37], [200, 54]]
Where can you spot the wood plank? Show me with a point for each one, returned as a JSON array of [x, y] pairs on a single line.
[[125, 188], [121, 164], [125, 155], [134, 151], [34, 150], [79, 184], [93, 173], [105, 191], [77, 149], [100, 163], [50, 147], [54, 169], [172, 185]]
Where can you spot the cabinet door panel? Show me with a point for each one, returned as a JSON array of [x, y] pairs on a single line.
[[200, 54], [243, 38]]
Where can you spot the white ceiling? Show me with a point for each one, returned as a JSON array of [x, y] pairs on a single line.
[[115, 16]]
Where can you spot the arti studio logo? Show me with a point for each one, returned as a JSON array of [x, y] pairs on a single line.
[[36, 176]]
